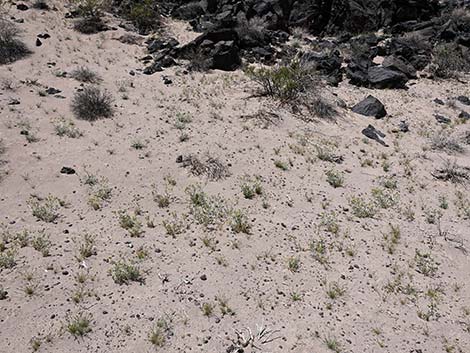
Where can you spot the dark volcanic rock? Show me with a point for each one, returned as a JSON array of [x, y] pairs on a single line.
[[358, 71], [218, 49], [396, 64], [327, 64], [441, 119], [464, 100], [160, 44], [464, 116], [370, 106], [382, 77], [225, 56], [22, 7], [67, 170], [374, 134]]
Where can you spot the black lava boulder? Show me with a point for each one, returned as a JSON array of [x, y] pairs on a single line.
[[370, 106], [382, 77]]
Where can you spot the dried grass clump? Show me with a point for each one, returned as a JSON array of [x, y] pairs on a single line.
[[210, 167]]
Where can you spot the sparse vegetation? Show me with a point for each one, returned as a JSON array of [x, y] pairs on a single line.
[[79, 325], [11, 47], [444, 141], [46, 210], [85, 75], [92, 104], [67, 128], [450, 60], [40, 242], [362, 208], [124, 272], [240, 222], [207, 210], [210, 167], [286, 83], [131, 224], [425, 263], [335, 178], [160, 333]]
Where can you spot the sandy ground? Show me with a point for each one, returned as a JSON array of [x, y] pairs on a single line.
[[390, 301]]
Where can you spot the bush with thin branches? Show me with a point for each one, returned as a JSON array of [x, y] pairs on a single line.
[[92, 104]]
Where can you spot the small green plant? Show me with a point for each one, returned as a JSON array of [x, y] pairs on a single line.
[[384, 198], [335, 178], [79, 325], [22, 239], [46, 209], [131, 224], [124, 272], [296, 297], [251, 189], [248, 191], [209, 243], [41, 243], [86, 247], [7, 258], [161, 332], [67, 128], [182, 120], [329, 222], [240, 222], [293, 264], [425, 264], [207, 309], [175, 225], [35, 344], [138, 144], [100, 192], [443, 203], [225, 309], [207, 210], [392, 239], [335, 291], [319, 251], [332, 344], [281, 165], [463, 204], [361, 208], [162, 200], [390, 183]]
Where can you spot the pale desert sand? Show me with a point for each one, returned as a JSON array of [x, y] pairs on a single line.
[[387, 303]]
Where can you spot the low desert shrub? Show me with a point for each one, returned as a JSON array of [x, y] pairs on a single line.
[[11, 47], [92, 104], [124, 273], [79, 325], [86, 75], [444, 141], [284, 82], [90, 20], [450, 60], [144, 15]]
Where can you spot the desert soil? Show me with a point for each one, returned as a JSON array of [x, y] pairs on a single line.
[[311, 271]]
